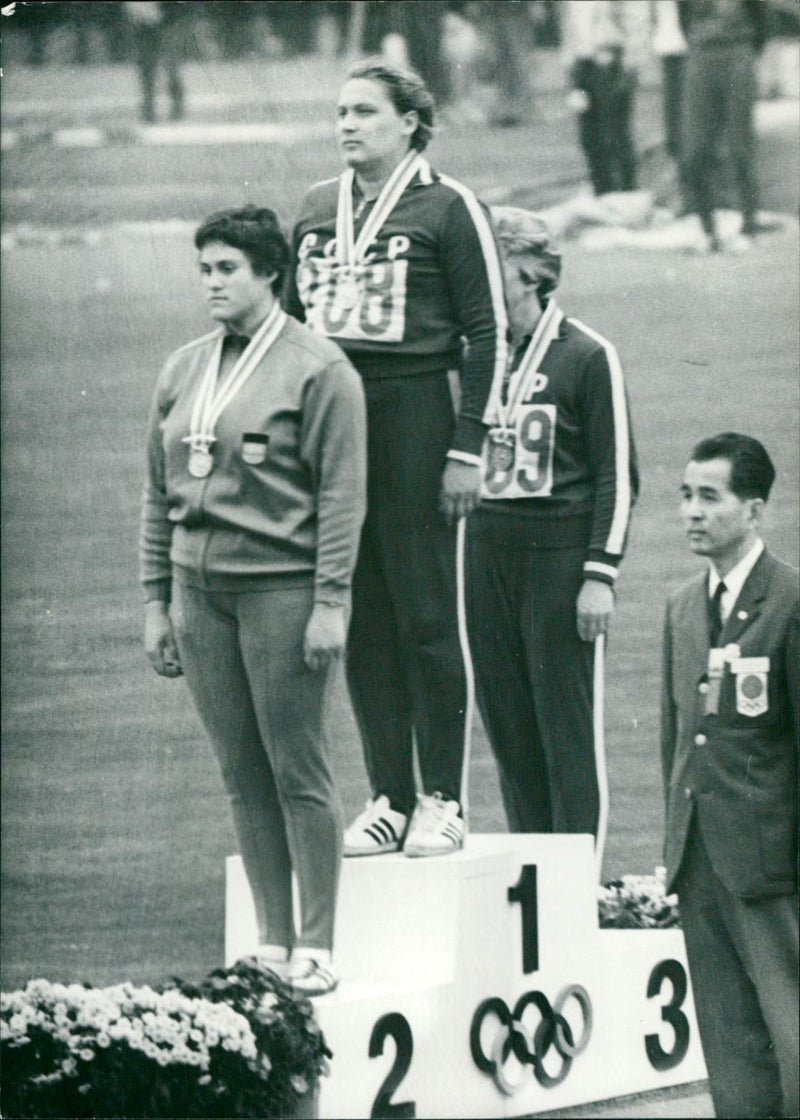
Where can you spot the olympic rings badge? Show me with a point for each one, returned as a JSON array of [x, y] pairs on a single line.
[[530, 1045]]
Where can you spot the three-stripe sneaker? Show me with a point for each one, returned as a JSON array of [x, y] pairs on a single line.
[[312, 975], [377, 830], [436, 827]]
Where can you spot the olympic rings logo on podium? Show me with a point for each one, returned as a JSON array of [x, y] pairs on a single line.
[[530, 1046]]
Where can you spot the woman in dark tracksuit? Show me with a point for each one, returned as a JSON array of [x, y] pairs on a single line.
[[254, 498], [398, 264], [544, 547]]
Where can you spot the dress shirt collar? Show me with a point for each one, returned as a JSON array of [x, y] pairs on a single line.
[[735, 579]]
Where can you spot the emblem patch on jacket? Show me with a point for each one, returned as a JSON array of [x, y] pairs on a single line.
[[751, 685], [254, 448]]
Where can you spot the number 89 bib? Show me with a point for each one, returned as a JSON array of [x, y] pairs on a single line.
[[530, 473]]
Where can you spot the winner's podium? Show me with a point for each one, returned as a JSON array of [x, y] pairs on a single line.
[[479, 985]]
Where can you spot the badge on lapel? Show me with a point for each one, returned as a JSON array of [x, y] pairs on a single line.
[[752, 675], [254, 448]]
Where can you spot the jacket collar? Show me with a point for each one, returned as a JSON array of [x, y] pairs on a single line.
[[747, 607]]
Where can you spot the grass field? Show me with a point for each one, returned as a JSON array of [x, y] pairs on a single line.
[[115, 824]]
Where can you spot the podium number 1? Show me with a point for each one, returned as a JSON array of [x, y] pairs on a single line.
[[525, 893]]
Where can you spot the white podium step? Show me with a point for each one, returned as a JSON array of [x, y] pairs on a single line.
[[479, 985]]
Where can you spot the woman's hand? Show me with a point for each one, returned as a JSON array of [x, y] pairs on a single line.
[[325, 636], [159, 640], [595, 606], [461, 490]]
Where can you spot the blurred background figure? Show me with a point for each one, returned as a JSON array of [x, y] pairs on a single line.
[[601, 55], [507, 30], [669, 46], [724, 39], [156, 35], [410, 35], [475, 54]]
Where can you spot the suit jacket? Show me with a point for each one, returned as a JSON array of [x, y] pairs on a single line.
[[736, 768]]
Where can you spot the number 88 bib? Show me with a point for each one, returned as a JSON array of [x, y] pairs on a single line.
[[530, 475]]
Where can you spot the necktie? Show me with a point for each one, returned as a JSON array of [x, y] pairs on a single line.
[[715, 615]]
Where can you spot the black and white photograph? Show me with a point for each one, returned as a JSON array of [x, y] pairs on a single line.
[[400, 512]]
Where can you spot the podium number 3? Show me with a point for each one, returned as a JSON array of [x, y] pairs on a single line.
[[671, 1013], [394, 1025]]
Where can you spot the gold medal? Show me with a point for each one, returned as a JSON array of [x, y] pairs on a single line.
[[347, 292], [201, 462]]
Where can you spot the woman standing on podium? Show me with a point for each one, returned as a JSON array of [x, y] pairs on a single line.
[[398, 264], [253, 503], [544, 548]]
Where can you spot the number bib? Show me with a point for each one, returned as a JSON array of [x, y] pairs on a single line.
[[529, 472], [367, 303]]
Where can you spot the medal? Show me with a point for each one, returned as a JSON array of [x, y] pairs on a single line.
[[213, 398], [347, 291], [502, 450], [351, 250], [200, 462]]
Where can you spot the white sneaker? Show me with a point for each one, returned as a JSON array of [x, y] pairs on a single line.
[[695, 239], [273, 957], [312, 977], [377, 830], [436, 828], [739, 243]]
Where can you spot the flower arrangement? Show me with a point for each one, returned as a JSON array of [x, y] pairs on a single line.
[[638, 902], [240, 1044]]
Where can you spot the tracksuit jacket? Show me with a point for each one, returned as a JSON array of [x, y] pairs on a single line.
[[589, 454], [433, 282], [294, 512]]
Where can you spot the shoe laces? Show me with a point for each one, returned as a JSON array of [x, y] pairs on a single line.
[[309, 967], [434, 808]]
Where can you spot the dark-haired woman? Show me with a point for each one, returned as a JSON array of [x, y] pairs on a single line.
[[398, 264], [254, 499]]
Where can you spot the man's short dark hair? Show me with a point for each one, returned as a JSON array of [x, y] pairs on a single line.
[[752, 472], [407, 92], [253, 230]]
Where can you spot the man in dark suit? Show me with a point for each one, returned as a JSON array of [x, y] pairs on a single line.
[[730, 760]]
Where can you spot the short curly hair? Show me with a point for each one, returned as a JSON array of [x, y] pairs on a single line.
[[256, 232], [406, 91]]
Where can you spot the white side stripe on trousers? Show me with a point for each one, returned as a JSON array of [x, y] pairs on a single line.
[[463, 637], [598, 721], [598, 707]]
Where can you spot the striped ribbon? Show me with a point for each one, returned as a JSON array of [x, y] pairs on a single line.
[[349, 250], [213, 398], [546, 330]]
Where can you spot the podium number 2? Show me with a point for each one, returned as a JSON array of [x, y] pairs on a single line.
[[394, 1025], [671, 1013]]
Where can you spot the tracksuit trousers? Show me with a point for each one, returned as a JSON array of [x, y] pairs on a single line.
[[533, 679], [718, 103], [265, 712], [605, 127], [405, 668]]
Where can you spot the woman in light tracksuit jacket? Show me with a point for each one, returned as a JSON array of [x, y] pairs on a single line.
[[253, 505]]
